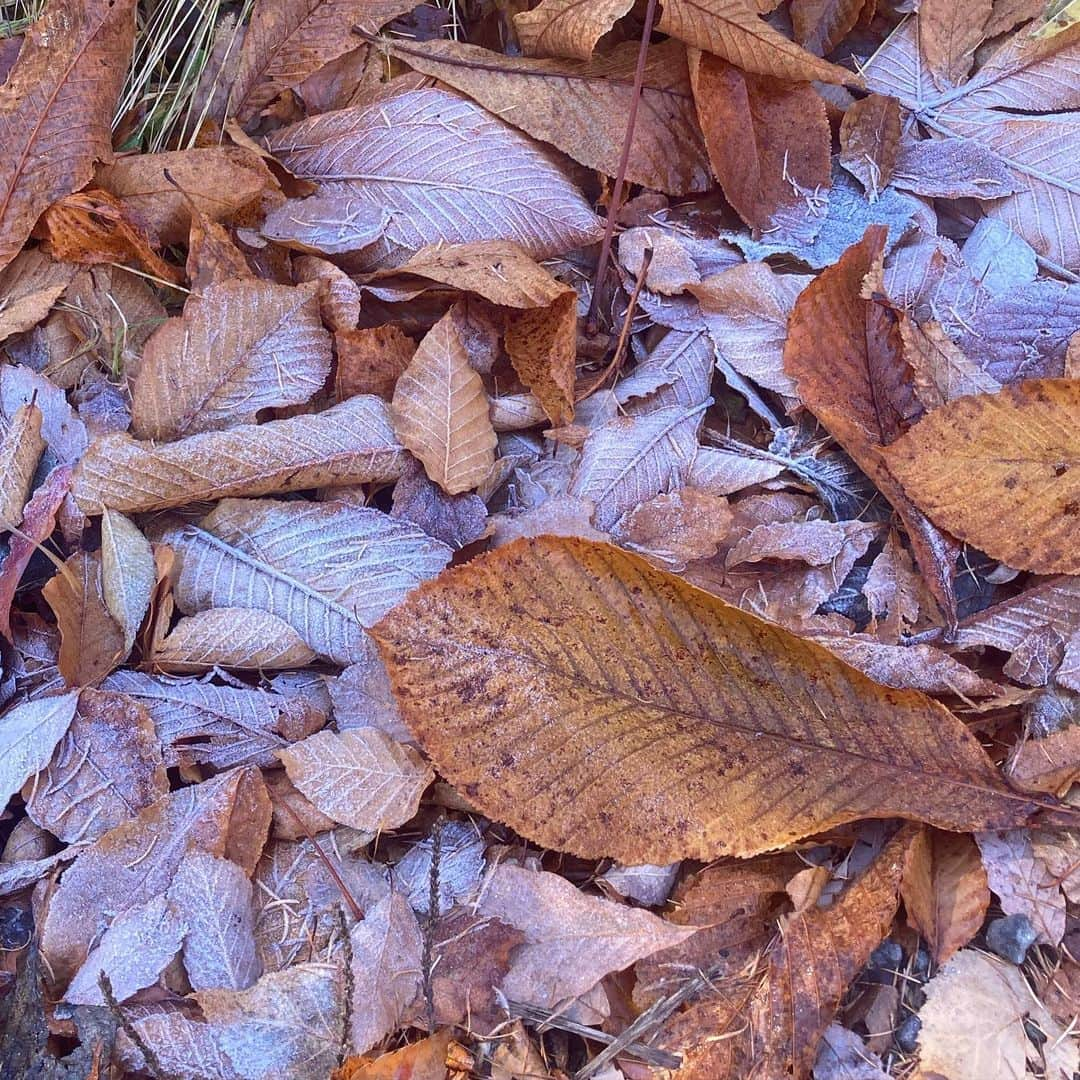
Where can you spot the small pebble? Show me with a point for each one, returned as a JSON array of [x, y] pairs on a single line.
[[907, 1034], [1011, 937], [885, 961], [16, 927]]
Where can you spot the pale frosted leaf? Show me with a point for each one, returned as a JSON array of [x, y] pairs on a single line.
[[460, 865], [869, 141], [843, 1055], [567, 27], [21, 445], [1069, 672], [30, 285], [213, 897], [898, 69], [817, 543], [238, 638], [56, 107], [199, 722], [362, 698], [91, 641], [105, 770], [340, 299], [632, 458], [681, 365], [456, 520], [671, 267], [746, 310], [676, 529], [952, 169], [127, 573], [723, 472], [28, 734], [440, 411], [1024, 884], [285, 1027], [1054, 602], [183, 1046], [732, 29], [998, 258], [19, 875], [63, 431], [387, 951], [647, 884], [571, 940], [239, 347], [570, 103], [287, 40], [350, 443], [137, 947], [135, 862], [360, 777], [326, 569], [322, 225], [445, 170]]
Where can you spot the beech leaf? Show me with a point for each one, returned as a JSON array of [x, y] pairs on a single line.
[[567, 27], [28, 734], [603, 707], [127, 573]]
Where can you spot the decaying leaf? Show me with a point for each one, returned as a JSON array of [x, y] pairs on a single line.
[[567, 27], [701, 697], [28, 734], [1023, 883], [21, 445], [542, 345]]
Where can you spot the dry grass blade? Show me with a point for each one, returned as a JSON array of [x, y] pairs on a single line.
[[603, 707], [56, 107]]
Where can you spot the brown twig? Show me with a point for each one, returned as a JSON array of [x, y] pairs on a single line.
[[150, 1060], [620, 175], [331, 869]]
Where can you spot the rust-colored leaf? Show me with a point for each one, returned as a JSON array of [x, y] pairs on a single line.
[[1000, 471], [820, 25], [870, 141], [1051, 764], [567, 27], [423, 1060], [603, 707], [56, 107], [542, 345], [945, 891]]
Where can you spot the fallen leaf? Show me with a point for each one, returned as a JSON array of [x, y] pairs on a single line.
[[28, 735], [423, 1060], [341, 296], [569, 103], [105, 769], [31, 283], [440, 411], [57, 105], [948, 37], [844, 1056], [870, 139], [221, 363], [362, 698], [1023, 883], [371, 360], [127, 573], [456, 520], [952, 169], [499, 671], [768, 140], [567, 27], [1054, 602], [350, 443], [945, 891], [1050, 765], [287, 40], [673, 530], [820, 25], [1034, 483], [542, 345], [941, 371], [21, 445], [360, 777], [91, 641], [417, 154], [325, 225], [571, 940]]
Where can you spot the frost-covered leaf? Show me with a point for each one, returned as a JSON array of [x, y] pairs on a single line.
[[127, 573], [21, 445], [1023, 883], [232, 638], [28, 734]]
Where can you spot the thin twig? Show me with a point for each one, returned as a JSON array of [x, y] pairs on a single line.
[[331, 869], [432, 918], [620, 175], [150, 1059], [346, 1013]]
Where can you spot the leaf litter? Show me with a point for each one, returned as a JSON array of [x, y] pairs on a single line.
[[537, 541]]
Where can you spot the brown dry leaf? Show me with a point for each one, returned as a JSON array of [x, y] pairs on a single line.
[[361, 777], [218, 180], [768, 140], [892, 590], [954, 465], [327, 569], [948, 35], [227, 816], [30, 284], [945, 891], [844, 353], [870, 141], [213, 897], [21, 446], [387, 959], [498, 270], [94, 227], [287, 40], [91, 641], [28, 735], [673, 530], [1050, 765], [820, 25], [350, 443], [445, 170], [234, 638], [222, 362], [212, 256], [423, 1060], [567, 27], [1023, 883], [571, 940], [973, 1025], [570, 103], [341, 297], [56, 107], [732, 30], [542, 345], [105, 769], [539, 639], [128, 573], [940, 370], [817, 543], [371, 360], [440, 411]]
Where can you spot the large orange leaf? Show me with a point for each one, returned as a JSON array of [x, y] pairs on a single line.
[[1002, 471], [601, 706], [56, 108]]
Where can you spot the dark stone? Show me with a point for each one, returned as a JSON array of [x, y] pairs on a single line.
[[16, 927], [907, 1034], [1011, 937]]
